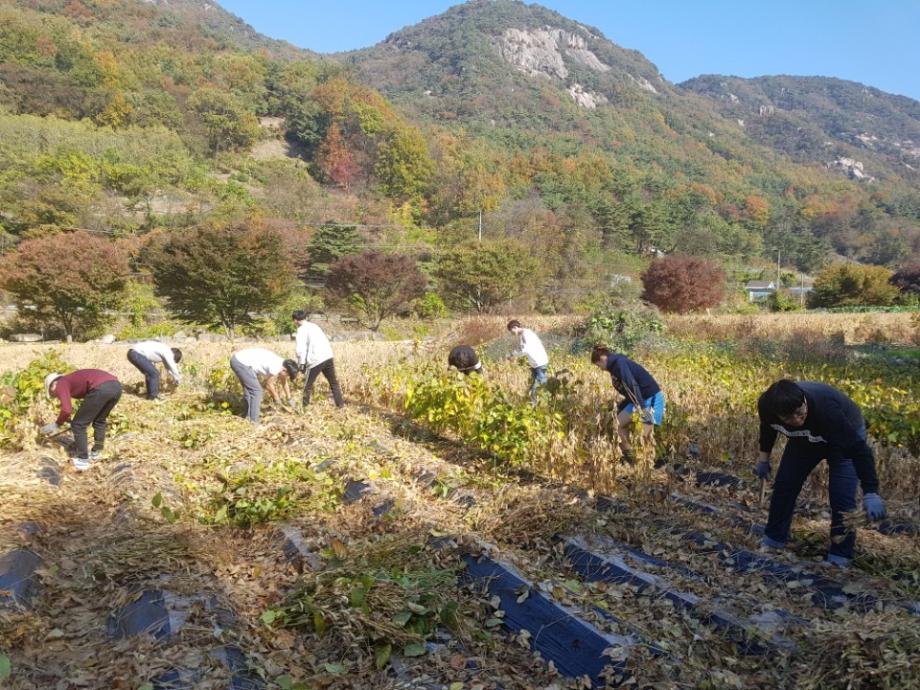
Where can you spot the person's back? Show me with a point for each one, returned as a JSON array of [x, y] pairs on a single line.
[[532, 347], [464, 359], [261, 360], [823, 394], [316, 343], [630, 378]]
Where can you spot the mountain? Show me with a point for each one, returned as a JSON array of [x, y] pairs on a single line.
[[488, 59], [522, 77], [129, 115], [822, 119]]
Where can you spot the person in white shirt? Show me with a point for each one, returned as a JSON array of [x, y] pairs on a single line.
[[532, 348], [314, 355], [255, 363], [146, 355]]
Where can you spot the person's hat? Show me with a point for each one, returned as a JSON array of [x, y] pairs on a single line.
[[49, 379]]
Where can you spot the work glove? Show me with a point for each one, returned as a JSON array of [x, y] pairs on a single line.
[[292, 403], [762, 469], [874, 506], [302, 368], [648, 417], [49, 429]]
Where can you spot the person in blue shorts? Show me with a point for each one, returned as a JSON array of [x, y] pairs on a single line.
[[640, 392]]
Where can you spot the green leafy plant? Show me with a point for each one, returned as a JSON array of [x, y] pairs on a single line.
[[383, 597], [618, 329], [20, 390], [268, 493]]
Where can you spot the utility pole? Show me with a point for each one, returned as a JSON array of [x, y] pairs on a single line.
[[778, 254], [802, 291], [480, 226]]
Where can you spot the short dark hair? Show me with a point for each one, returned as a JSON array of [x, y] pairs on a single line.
[[514, 323], [782, 398], [290, 366], [177, 354], [463, 357], [597, 352], [299, 315]]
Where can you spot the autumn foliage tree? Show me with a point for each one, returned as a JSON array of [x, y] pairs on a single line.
[[374, 286], [73, 280], [851, 284], [220, 275], [683, 283], [485, 275], [337, 162]]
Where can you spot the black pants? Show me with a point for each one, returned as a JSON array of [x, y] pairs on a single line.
[[94, 410], [799, 459], [150, 372], [327, 369]]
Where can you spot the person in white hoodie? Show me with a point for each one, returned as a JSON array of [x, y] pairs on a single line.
[[532, 348], [314, 355], [146, 355]]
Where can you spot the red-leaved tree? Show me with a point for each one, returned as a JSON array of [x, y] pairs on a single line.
[[374, 286], [683, 283], [72, 280], [907, 280], [337, 161]]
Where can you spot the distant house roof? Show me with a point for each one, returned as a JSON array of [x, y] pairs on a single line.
[[760, 285]]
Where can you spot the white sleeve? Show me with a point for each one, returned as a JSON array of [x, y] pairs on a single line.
[[170, 363], [302, 345]]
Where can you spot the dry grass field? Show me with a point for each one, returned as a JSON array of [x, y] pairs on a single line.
[[398, 543]]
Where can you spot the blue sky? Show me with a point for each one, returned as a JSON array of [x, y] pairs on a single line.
[[870, 41]]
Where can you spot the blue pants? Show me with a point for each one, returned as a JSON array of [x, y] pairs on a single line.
[[799, 459], [150, 372], [537, 379], [656, 402]]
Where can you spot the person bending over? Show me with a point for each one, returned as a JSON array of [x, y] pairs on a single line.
[[463, 358], [821, 423], [99, 391], [146, 355], [640, 392], [256, 366]]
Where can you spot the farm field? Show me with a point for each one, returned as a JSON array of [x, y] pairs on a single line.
[[440, 532]]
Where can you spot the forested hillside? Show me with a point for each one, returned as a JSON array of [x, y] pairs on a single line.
[[824, 119], [121, 116]]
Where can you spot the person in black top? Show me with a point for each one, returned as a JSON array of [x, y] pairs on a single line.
[[822, 424], [463, 358], [640, 392]]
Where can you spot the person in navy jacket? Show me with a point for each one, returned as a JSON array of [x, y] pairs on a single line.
[[640, 392], [821, 423]]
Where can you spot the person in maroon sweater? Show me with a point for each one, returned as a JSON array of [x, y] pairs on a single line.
[[99, 391]]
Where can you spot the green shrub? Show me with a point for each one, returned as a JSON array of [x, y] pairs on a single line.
[[479, 413], [618, 329], [270, 492], [430, 306], [20, 390]]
